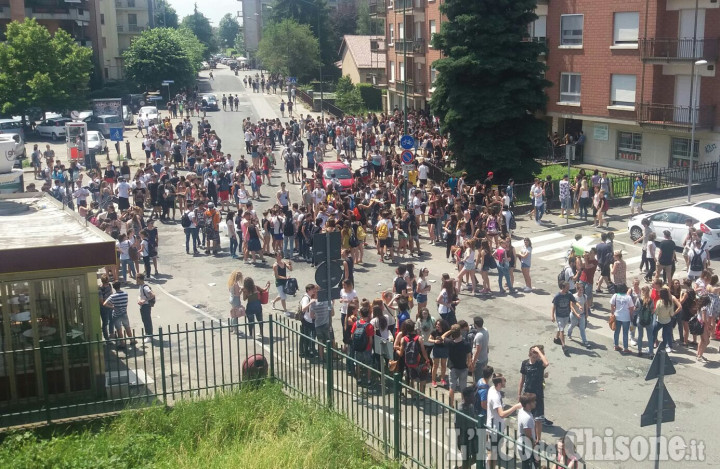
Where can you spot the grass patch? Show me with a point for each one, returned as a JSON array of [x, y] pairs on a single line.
[[259, 428], [557, 171]]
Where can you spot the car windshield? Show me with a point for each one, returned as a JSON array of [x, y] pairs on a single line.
[[340, 173], [112, 119], [148, 110], [10, 125], [713, 224], [93, 137]]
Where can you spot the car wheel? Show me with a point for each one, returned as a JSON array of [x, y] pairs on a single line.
[[53, 136], [635, 233]]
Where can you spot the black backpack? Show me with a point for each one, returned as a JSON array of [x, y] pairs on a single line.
[[288, 227], [185, 220], [412, 352], [359, 337], [291, 287], [353, 238], [696, 263], [513, 223]]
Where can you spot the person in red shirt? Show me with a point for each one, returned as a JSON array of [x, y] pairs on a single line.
[[361, 347]]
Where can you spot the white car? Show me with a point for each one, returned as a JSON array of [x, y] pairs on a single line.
[[710, 204], [96, 142], [150, 112], [53, 128], [673, 219]]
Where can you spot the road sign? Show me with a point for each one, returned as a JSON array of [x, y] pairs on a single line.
[[116, 134], [334, 294], [168, 82], [407, 168], [407, 156], [74, 115], [654, 371], [650, 416], [292, 80], [407, 142], [320, 253], [336, 273]]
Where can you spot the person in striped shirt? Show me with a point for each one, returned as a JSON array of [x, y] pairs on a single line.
[[118, 301]]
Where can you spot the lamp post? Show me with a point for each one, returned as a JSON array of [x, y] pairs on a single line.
[[693, 121]]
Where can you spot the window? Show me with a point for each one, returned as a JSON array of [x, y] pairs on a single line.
[[680, 152], [433, 75], [106, 72], [102, 18], [537, 30], [402, 72], [132, 19], [401, 31], [433, 30], [392, 33], [629, 146], [131, 3], [626, 28], [571, 30], [623, 90], [392, 72], [570, 88], [104, 42]]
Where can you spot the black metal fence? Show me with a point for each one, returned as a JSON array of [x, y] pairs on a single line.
[[417, 428]]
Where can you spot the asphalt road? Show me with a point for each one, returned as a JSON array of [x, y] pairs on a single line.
[[597, 389]]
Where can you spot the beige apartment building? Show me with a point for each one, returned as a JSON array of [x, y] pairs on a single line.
[[120, 21]]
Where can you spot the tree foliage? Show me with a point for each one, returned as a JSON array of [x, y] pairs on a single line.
[[165, 14], [240, 44], [343, 19], [164, 54], [38, 69], [367, 25], [289, 48], [348, 97], [490, 87], [199, 24], [228, 30]]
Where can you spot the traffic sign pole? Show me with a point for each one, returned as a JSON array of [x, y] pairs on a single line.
[[663, 406]]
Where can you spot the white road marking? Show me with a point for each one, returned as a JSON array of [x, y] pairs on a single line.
[[547, 237]]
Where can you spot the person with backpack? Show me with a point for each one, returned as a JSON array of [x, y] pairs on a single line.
[[361, 344], [580, 315], [146, 301], [644, 311], [563, 305], [384, 229], [412, 351], [280, 270], [481, 389], [698, 260]]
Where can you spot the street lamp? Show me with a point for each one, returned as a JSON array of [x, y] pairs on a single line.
[[693, 121]]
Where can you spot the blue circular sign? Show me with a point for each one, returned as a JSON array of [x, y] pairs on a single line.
[[407, 156], [407, 142]]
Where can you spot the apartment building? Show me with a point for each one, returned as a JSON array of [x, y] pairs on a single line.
[[633, 75], [409, 26], [120, 21]]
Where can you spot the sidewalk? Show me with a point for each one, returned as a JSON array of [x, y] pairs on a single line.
[[618, 215]]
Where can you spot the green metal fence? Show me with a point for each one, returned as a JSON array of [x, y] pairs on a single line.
[[198, 360]]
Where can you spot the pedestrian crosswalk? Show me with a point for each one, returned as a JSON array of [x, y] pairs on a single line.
[[555, 246]]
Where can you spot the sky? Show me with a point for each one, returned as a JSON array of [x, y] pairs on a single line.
[[214, 9]]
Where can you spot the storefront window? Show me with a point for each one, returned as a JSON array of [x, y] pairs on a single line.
[[629, 146], [42, 323], [680, 152]]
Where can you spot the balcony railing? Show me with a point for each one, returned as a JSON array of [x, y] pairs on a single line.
[[412, 46], [377, 7], [413, 87], [131, 28], [669, 116], [128, 4], [678, 49], [409, 5]]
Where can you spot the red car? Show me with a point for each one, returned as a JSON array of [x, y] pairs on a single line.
[[338, 173]]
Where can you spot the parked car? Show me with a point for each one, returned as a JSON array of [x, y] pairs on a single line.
[[53, 128], [705, 221], [128, 116], [96, 142], [710, 204], [135, 101], [338, 172], [82, 115], [14, 128], [149, 112], [205, 66], [209, 102], [104, 123]]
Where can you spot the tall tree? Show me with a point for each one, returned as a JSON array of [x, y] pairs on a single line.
[[239, 44], [228, 30], [306, 12], [344, 19], [366, 24], [289, 48], [490, 86], [162, 54], [38, 69], [199, 24], [165, 14]]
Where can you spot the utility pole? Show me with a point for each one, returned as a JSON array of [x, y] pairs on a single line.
[[405, 67]]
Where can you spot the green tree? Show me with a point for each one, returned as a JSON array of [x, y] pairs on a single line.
[[289, 48], [199, 24], [343, 19], [38, 69], [348, 97], [490, 86], [165, 14], [240, 44], [367, 25], [162, 54], [228, 30]]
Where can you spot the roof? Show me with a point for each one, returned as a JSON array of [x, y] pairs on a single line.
[[39, 234], [362, 54]]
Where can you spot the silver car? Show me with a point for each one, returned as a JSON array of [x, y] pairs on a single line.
[[96, 142], [14, 129]]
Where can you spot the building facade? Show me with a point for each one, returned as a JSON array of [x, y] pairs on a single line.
[[120, 21], [363, 59], [253, 14], [633, 75]]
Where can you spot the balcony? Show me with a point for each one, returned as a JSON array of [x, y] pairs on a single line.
[[671, 117], [410, 46], [56, 10], [130, 5], [377, 7], [130, 29], [677, 50], [409, 6], [414, 88]]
